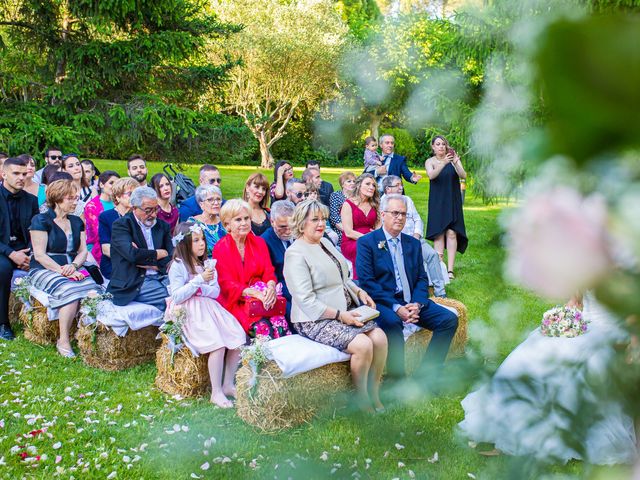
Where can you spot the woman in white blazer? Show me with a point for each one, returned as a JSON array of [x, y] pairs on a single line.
[[322, 294]]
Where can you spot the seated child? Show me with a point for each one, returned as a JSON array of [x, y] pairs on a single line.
[[208, 327], [372, 159]]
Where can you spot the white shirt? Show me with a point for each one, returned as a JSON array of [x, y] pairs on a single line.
[[414, 222], [146, 232]]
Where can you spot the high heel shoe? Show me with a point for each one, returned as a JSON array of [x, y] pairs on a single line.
[[65, 352]]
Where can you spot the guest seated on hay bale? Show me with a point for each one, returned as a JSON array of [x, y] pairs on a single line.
[[17, 208], [208, 327], [323, 295], [93, 209], [140, 252], [121, 193], [278, 238], [391, 268], [59, 251], [246, 276]]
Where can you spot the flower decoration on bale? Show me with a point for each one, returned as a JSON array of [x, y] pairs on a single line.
[[90, 306], [563, 322], [174, 320]]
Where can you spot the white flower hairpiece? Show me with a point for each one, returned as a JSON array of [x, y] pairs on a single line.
[[176, 239]]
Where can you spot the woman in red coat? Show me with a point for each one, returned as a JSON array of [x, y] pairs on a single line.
[[242, 262]]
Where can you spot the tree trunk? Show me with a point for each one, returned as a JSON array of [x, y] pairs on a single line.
[[265, 152], [374, 124]]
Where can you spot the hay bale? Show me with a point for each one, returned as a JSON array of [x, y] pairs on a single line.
[[276, 403], [37, 326], [416, 345], [101, 348], [188, 376], [15, 306]]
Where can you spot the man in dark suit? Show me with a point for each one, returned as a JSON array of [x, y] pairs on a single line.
[[392, 164], [17, 208], [325, 189], [141, 249], [391, 270], [278, 239]]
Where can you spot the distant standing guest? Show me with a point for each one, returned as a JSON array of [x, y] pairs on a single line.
[[121, 194], [167, 212], [445, 221], [347, 182], [255, 194], [282, 172], [209, 199], [95, 207]]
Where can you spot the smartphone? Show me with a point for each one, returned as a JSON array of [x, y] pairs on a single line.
[[451, 151]]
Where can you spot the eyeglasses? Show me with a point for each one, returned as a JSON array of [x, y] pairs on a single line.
[[215, 180], [149, 210], [396, 214], [302, 194], [213, 200]]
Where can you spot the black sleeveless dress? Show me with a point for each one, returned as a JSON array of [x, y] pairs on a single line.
[[445, 207]]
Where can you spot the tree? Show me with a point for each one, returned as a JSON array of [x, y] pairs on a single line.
[[289, 53], [82, 67]]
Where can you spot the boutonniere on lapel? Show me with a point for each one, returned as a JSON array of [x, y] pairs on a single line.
[[382, 245]]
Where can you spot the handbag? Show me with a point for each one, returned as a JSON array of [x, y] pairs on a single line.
[[255, 309]]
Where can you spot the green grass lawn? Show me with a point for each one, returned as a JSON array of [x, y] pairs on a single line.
[[117, 425]]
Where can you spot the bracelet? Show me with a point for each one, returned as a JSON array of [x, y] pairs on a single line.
[[337, 317], [75, 266]]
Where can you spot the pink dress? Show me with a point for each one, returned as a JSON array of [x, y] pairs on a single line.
[[208, 326], [361, 223]]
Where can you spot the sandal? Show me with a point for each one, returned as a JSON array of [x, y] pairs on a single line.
[[451, 275], [65, 352]]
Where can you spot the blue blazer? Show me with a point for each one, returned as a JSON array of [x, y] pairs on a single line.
[[399, 168], [189, 208], [375, 268], [276, 252]]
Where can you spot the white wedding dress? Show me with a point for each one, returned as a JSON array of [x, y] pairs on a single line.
[[528, 407]]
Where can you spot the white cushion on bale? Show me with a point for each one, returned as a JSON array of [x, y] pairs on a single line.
[[120, 319], [295, 354]]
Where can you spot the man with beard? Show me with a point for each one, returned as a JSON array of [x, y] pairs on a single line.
[[17, 208], [137, 169], [278, 238], [52, 156], [141, 249]]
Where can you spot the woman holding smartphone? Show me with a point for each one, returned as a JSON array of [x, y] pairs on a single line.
[[445, 222]]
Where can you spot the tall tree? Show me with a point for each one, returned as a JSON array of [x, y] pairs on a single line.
[[107, 63], [289, 52]]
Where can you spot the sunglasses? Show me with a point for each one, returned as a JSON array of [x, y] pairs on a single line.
[[55, 157], [300, 194], [215, 180]]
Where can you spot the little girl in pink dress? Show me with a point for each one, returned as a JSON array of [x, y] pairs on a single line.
[[208, 327]]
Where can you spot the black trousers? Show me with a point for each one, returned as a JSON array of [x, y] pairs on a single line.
[[6, 273]]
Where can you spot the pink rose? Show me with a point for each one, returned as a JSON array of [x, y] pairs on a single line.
[[558, 243]]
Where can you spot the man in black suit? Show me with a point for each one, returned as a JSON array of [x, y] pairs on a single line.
[[278, 239], [141, 249], [17, 208], [325, 189]]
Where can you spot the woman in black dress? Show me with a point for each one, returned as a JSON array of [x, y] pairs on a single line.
[[445, 223]]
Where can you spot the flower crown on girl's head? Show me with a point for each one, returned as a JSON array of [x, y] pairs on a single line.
[[181, 236]]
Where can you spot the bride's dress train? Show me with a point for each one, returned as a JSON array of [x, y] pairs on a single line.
[[528, 406]]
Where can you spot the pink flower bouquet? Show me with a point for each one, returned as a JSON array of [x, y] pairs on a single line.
[[563, 322]]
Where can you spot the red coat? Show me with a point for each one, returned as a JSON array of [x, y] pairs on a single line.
[[234, 275]]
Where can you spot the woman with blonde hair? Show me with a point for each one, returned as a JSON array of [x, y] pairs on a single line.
[[359, 216], [245, 272], [323, 296]]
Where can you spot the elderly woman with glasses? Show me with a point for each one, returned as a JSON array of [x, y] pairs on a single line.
[[209, 197], [323, 296], [59, 251]]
